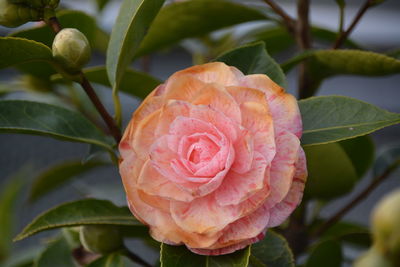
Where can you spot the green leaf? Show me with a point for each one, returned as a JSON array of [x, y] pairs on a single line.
[[180, 256], [254, 59], [101, 4], [134, 83], [9, 195], [327, 254], [131, 26], [328, 119], [23, 257], [360, 151], [42, 119], [58, 253], [80, 212], [272, 251], [330, 171], [110, 260], [17, 51], [395, 54], [57, 175], [186, 19], [68, 19], [388, 158]]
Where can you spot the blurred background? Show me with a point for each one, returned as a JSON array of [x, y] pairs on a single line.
[[379, 30]]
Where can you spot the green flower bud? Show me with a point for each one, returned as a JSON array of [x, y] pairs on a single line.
[[101, 239], [385, 226], [372, 258], [71, 49], [12, 15]]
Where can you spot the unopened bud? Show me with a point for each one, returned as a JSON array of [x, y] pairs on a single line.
[[12, 15], [101, 239], [71, 49], [372, 258], [385, 226]]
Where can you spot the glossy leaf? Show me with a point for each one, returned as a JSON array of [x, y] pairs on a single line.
[[57, 175], [360, 151], [68, 19], [327, 254], [254, 59], [58, 253], [389, 157], [110, 260], [9, 194], [80, 212], [355, 62], [186, 19], [132, 23], [133, 82], [328, 119], [330, 171], [17, 51], [180, 256], [272, 251], [43, 119]]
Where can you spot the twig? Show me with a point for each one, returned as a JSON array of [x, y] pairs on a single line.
[[135, 258], [303, 38], [343, 36], [287, 20], [362, 195], [114, 130]]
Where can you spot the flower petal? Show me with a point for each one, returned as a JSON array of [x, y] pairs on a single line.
[[237, 187]]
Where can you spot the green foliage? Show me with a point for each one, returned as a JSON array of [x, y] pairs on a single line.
[[180, 256], [9, 196], [328, 119], [110, 260], [187, 19], [350, 233], [56, 254], [80, 212], [389, 157], [254, 59], [272, 251], [131, 26], [57, 175], [43, 119], [133, 82], [326, 253]]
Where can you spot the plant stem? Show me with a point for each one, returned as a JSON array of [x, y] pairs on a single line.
[[287, 20], [303, 38], [341, 19], [343, 35], [362, 195], [113, 128], [135, 258]]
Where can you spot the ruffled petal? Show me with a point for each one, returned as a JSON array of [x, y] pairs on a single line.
[[244, 151], [281, 211], [237, 187]]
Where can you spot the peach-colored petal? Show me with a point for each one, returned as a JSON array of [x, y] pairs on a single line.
[[237, 187], [182, 87], [282, 210], [203, 215], [169, 112], [215, 72], [153, 183], [145, 134], [283, 167], [257, 119], [216, 97], [244, 151], [283, 107]]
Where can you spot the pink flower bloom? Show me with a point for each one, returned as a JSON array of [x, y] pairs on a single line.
[[212, 158]]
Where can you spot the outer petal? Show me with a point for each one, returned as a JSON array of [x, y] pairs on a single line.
[[237, 187], [282, 210], [284, 108], [215, 72], [182, 87], [153, 183], [283, 167], [145, 134]]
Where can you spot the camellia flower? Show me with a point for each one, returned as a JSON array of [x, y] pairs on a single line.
[[212, 158]]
